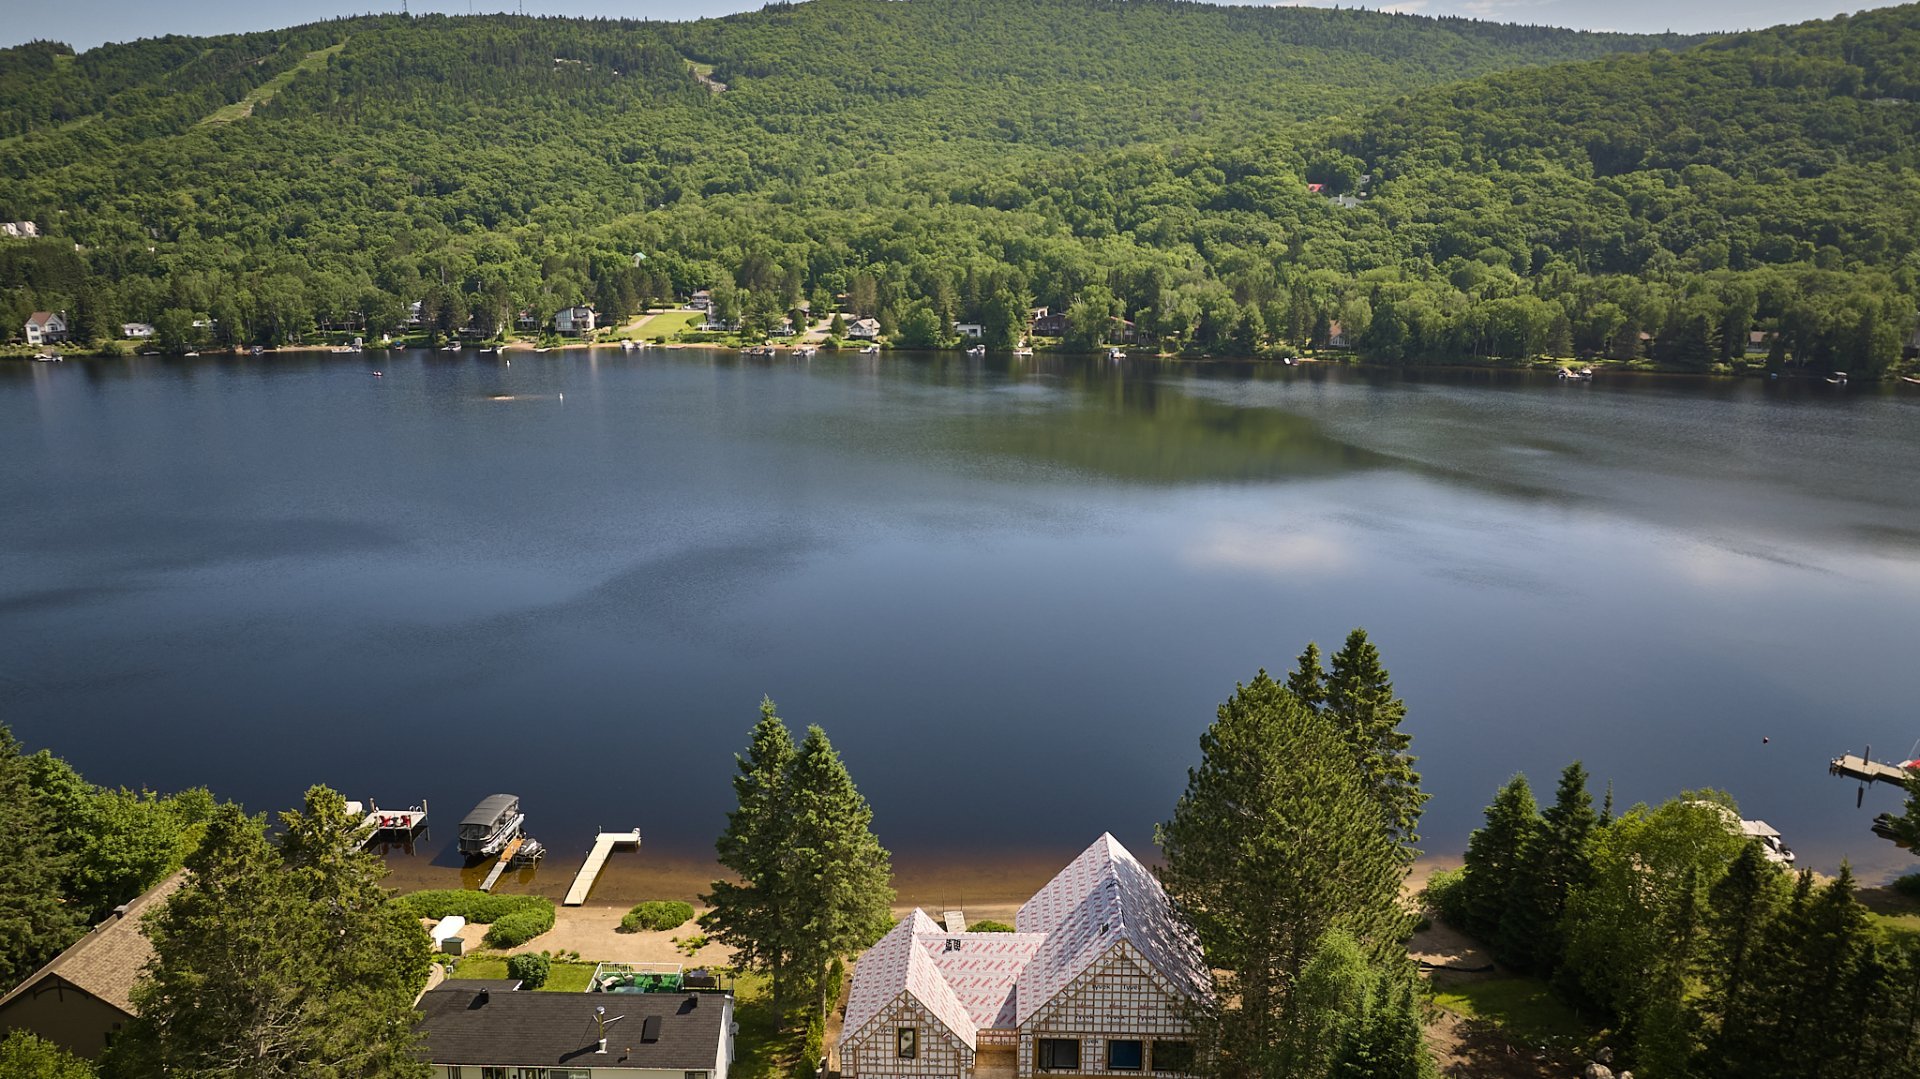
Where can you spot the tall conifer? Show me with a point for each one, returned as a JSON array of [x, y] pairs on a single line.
[[838, 865], [754, 916], [1493, 858], [1359, 697]]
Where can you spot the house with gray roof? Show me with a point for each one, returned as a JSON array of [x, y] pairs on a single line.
[[489, 1030], [1096, 980]]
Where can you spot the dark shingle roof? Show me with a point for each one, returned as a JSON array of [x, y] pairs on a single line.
[[549, 1030]]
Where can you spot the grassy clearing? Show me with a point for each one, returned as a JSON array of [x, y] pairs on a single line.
[[244, 107], [562, 978], [671, 324], [1522, 1007]]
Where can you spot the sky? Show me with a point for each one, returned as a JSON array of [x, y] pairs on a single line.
[[86, 23]]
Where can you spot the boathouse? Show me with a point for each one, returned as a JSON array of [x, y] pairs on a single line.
[[83, 997], [1096, 979]]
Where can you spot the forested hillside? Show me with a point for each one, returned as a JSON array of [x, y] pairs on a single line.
[[957, 160]]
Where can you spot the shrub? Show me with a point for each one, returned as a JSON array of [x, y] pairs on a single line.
[[657, 915], [990, 926], [1445, 896], [473, 906], [521, 926], [530, 969]]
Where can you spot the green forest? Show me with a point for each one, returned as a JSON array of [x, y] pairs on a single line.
[[1238, 181]]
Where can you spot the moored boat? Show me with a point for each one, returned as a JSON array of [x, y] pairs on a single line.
[[491, 826]]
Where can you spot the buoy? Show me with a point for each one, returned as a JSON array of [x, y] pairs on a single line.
[[1764, 740]]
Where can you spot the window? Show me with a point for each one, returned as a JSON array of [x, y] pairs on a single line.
[[1058, 1054], [1125, 1054], [493, 1073], [1176, 1057], [694, 1075], [906, 1043]]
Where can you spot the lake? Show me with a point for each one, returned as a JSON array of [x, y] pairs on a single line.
[[1012, 591]]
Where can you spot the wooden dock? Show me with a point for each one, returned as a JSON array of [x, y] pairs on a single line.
[[500, 867], [603, 845], [1867, 769]]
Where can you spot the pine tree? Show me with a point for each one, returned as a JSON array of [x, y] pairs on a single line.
[[1308, 681], [754, 916], [1494, 857], [1664, 1026], [1740, 913], [1275, 842], [35, 922], [839, 866], [1390, 1042], [287, 962], [1553, 863], [1359, 697]]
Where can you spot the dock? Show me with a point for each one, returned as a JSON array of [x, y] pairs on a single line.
[[1868, 770], [381, 825], [506, 858], [603, 845]]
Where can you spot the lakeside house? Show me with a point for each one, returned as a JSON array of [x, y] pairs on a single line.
[[483, 1029], [1096, 980], [81, 998], [46, 327], [136, 331], [863, 329], [702, 300], [1047, 323], [971, 330], [576, 320], [1336, 335]]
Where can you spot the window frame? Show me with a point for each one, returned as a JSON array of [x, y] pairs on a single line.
[[906, 1043], [1139, 1059], [1043, 1059], [1154, 1062]]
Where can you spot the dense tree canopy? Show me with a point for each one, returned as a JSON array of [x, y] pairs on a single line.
[[940, 163]]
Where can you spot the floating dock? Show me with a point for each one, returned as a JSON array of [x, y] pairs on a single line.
[[1868, 770], [603, 845], [386, 824], [506, 858]]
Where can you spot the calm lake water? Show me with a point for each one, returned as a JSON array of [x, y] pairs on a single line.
[[1012, 592]]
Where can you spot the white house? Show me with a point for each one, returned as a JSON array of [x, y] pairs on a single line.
[[863, 329], [138, 331], [574, 320], [973, 330], [476, 1029], [46, 327], [1097, 979]]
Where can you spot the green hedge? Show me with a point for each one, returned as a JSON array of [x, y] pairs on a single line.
[[529, 969], [512, 919], [520, 927], [989, 926], [658, 915]]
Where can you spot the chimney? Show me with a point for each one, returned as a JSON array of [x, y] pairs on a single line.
[[480, 997]]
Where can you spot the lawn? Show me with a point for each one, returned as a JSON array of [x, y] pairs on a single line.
[[563, 978], [670, 324], [1523, 1008]]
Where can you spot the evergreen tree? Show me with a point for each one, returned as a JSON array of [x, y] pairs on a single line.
[[1554, 862], [1276, 842], [1664, 1028], [1740, 914], [838, 865], [754, 916], [272, 962], [35, 922], [1361, 702], [1308, 681], [1494, 857], [1390, 1042]]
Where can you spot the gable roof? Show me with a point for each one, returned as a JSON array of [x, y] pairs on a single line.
[[40, 318], [1103, 896], [110, 958], [974, 981], [897, 964], [459, 1025]]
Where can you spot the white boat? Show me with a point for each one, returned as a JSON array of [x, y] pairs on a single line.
[[1116, 354], [870, 350], [1023, 351], [455, 347], [977, 350], [1838, 378], [626, 346], [48, 357], [491, 826], [806, 352]]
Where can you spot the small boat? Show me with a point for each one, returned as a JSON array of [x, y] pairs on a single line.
[[543, 348], [1023, 351], [455, 347], [48, 357], [193, 354], [626, 346], [805, 352], [977, 350], [491, 826], [870, 350], [530, 851], [377, 374], [1116, 354], [1910, 378], [1837, 378]]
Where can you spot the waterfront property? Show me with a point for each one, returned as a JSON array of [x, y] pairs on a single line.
[[863, 329], [80, 999], [486, 1029], [1095, 980], [574, 320], [46, 327]]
